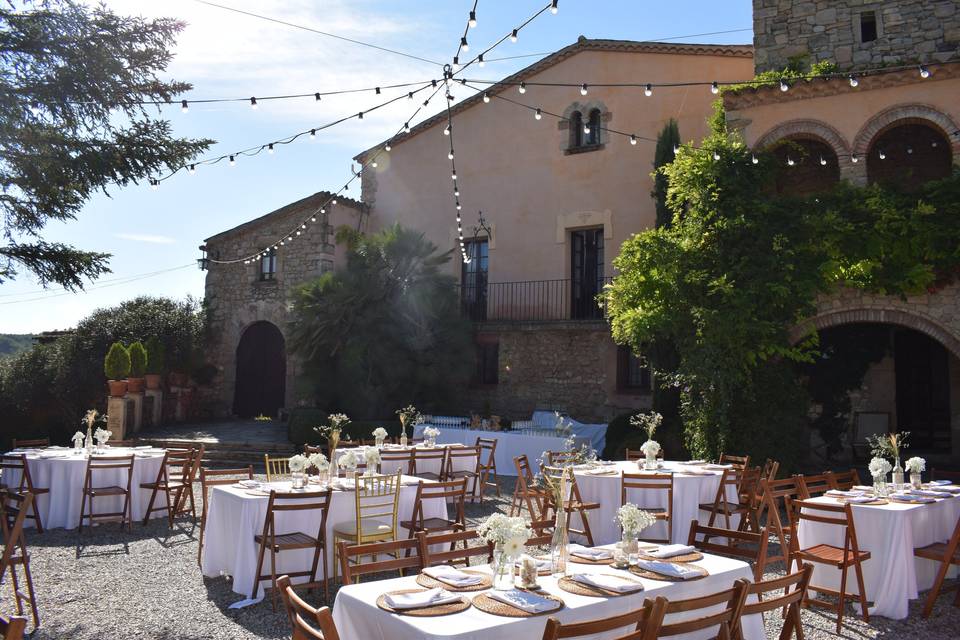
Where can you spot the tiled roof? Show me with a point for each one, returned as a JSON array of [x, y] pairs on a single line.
[[312, 201]]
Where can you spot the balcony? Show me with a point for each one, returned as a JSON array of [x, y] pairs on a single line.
[[534, 301]]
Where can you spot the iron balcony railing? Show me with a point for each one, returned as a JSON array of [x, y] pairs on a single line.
[[534, 301]]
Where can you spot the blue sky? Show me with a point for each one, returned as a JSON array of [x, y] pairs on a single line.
[[229, 55]]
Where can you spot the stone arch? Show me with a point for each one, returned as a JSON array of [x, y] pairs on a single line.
[[585, 107], [899, 317], [805, 129], [906, 114]]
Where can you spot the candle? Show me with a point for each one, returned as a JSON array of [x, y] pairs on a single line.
[[528, 571]]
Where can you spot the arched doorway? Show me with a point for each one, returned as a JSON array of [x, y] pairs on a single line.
[[908, 154], [807, 166], [261, 371]]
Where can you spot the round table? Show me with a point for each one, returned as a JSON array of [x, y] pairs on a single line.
[[62, 471], [689, 491]]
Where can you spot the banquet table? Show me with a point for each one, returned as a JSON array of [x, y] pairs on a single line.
[[689, 491], [358, 617], [235, 516], [62, 471], [893, 575], [466, 463]]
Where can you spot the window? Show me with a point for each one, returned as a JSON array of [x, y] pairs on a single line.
[[268, 265], [593, 137], [868, 26], [488, 362], [576, 130], [633, 374], [473, 280], [586, 273]]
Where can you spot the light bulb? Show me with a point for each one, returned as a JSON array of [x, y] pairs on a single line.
[[586, 128], [480, 61], [410, 95], [154, 184], [633, 139], [446, 130], [458, 206], [854, 159], [537, 114], [322, 210], [513, 36], [373, 164], [456, 63], [924, 72], [790, 161], [316, 97], [453, 176], [909, 150], [387, 147], [360, 115], [754, 159], [314, 218], [313, 134], [193, 169], [270, 148], [783, 85], [716, 155], [853, 80], [450, 155], [183, 106], [715, 88], [583, 89], [456, 192], [376, 90], [281, 243], [882, 155], [473, 20], [463, 44], [303, 226], [298, 232], [334, 201], [823, 161], [675, 149], [232, 161], [554, 8], [406, 126], [648, 90], [523, 87], [486, 97], [253, 103]]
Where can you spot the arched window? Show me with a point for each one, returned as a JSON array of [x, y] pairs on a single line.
[[576, 129], [806, 166], [909, 154], [593, 137]]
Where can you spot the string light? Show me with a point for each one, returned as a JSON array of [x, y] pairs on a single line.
[[486, 97], [583, 89], [790, 161], [854, 159], [554, 8], [648, 90], [253, 103], [376, 90], [184, 107], [316, 97], [538, 114], [450, 155], [154, 184], [513, 36], [823, 161], [270, 148], [882, 155], [716, 155], [446, 130], [387, 147], [480, 61], [853, 80], [193, 169], [232, 161], [633, 140], [754, 159], [473, 20], [463, 44], [783, 85], [523, 87], [715, 88], [313, 134], [924, 72], [586, 127]]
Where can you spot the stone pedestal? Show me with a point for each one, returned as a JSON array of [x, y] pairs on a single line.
[[137, 400], [117, 417], [180, 407], [156, 411]]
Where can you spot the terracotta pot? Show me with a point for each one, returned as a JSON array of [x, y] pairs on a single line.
[[118, 388], [153, 381], [135, 385]]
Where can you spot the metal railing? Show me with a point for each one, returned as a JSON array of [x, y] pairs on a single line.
[[534, 301]]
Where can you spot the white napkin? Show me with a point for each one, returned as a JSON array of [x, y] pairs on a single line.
[[927, 493], [940, 482], [906, 497], [590, 554], [542, 564], [144, 446], [452, 576], [52, 454], [608, 583], [671, 550], [695, 462], [948, 487], [249, 483], [862, 487], [834, 493], [524, 600], [420, 599], [668, 569], [600, 471], [859, 499], [719, 466]]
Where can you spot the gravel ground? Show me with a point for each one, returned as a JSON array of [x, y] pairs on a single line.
[[107, 583]]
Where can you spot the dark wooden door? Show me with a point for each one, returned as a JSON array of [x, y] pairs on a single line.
[[586, 273], [261, 371], [923, 390]]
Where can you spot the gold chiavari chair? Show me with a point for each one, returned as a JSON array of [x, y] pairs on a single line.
[[649, 484], [375, 514], [212, 478], [13, 510], [107, 465], [306, 622], [277, 467]]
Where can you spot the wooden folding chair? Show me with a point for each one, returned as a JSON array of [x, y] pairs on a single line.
[[106, 465], [13, 628], [424, 459], [634, 624], [774, 494], [561, 458], [403, 555], [277, 542], [13, 510], [393, 460], [843, 480], [455, 554], [572, 504], [376, 499], [526, 492], [650, 484], [25, 444], [452, 490], [745, 545], [277, 468], [468, 459], [792, 589], [18, 463], [488, 465], [542, 533], [723, 621], [946, 554], [770, 469], [633, 455], [212, 478], [814, 485], [750, 496], [741, 462], [174, 482], [841, 558], [730, 482], [309, 449], [306, 622]]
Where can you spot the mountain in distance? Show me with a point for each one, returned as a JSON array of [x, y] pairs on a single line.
[[13, 343]]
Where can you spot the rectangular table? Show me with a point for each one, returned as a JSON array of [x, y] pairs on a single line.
[[893, 575], [509, 444], [358, 617]]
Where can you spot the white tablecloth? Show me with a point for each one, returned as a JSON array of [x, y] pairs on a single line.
[[509, 445], [595, 434], [689, 491], [234, 517], [64, 476], [358, 618], [424, 465], [893, 575]]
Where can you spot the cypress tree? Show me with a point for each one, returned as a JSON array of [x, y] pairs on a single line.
[[667, 140]]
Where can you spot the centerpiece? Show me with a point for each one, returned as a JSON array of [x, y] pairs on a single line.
[[298, 466], [651, 448], [319, 462], [507, 535], [337, 422], [408, 416], [430, 436], [560, 541], [632, 521], [371, 455], [916, 466], [890, 445], [379, 435], [102, 435], [91, 418], [348, 462], [879, 468]]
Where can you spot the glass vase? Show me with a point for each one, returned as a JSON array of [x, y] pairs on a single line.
[[880, 486], [898, 483], [431, 442], [560, 546], [298, 480], [403, 437], [631, 545], [916, 480], [379, 442], [650, 462], [502, 569], [332, 470]]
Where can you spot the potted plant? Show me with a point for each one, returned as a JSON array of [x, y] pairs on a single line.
[[116, 366], [138, 367], [155, 363]]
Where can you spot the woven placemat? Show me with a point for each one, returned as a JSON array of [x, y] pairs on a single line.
[[579, 560], [570, 585], [431, 583], [872, 503], [687, 557], [424, 612], [643, 573], [902, 501], [487, 604]]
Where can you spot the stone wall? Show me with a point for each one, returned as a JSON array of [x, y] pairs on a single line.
[[908, 31]]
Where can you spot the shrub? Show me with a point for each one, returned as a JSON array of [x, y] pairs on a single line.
[[117, 363], [301, 424], [155, 356], [138, 360]]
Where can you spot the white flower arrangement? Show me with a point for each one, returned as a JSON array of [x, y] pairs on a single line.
[[431, 432], [102, 435], [319, 462], [379, 432], [371, 456], [650, 448], [916, 465], [647, 421], [879, 467], [632, 518], [409, 415], [510, 533], [348, 461], [297, 463], [78, 439]]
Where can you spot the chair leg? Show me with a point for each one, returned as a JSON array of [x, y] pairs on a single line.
[[149, 512], [83, 506], [842, 596], [586, 526], [863, 592], [16, 589], [256, 575], [326, 575], [36, 516], [273, 578], [935, 590], [31, 595]]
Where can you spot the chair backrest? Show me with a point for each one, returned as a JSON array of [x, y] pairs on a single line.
[[738, 461], [215, 477], [773, 497], [633, 624], [16, 462], [14, 504], [99, 464], [376, 498], [723, 621], [176, 465], [393, 460], [749, 489], [561, 458], [449, 542], [524, 471], [813, 485], [399, 555], [277, 466], [770, 469], [425, 459], [838, 515], [785, 591], [450, 491], [306, 622], [13, 628], [293, 502], [36, 442], [488, 448], [634, 454], [647, 482], [843, 480], [542, 533], [461, 457], [755, 551]]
